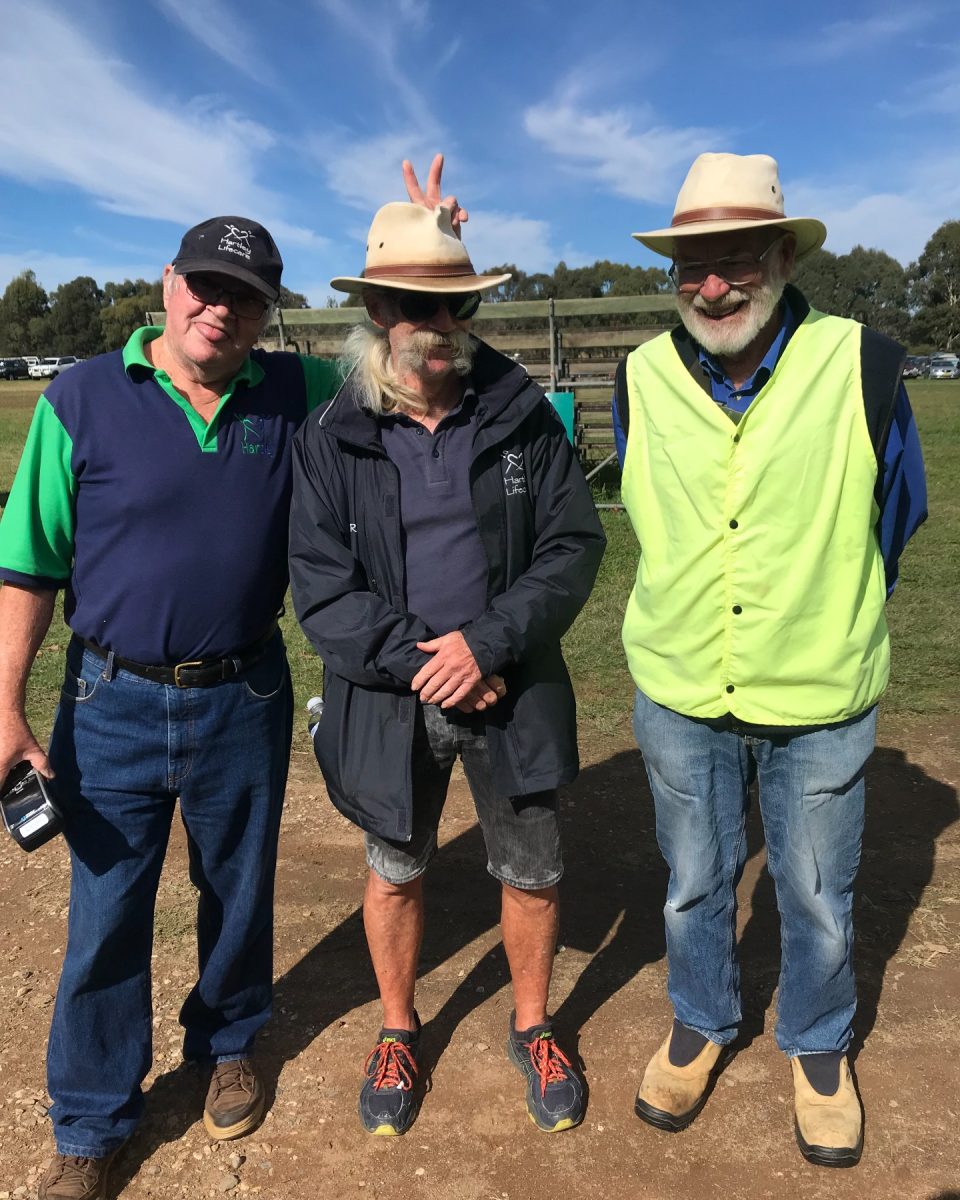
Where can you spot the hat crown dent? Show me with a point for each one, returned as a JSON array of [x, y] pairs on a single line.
[[402, 233], [722, 180]]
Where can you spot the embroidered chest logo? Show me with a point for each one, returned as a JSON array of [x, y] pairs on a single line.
[[514, 474], [255, 437], [236, 241]]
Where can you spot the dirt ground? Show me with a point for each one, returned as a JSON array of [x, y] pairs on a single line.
[[472, 1140]]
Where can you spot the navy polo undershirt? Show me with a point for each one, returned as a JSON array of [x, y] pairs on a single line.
[[446, 566]]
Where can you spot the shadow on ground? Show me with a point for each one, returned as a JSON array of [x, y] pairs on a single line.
[[613, 892]]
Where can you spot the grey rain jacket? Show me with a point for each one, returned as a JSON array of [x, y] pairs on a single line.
[[543, 542]]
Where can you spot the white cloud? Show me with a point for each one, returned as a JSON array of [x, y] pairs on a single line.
[[365, 173], [899, 221], [628, 152], [415, 12], [377, 28], [92, 129], [496, 237], [937, 93], [855, 37], [216, 25]]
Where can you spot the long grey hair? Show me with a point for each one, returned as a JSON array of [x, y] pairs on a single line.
[[366, 355]]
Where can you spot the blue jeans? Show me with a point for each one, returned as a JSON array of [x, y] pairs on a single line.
[[811, 801], [124, 750]]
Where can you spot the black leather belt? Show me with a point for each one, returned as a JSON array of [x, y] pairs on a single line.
[[200, 672]]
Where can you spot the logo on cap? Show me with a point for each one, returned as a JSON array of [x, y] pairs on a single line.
[[236, 241]]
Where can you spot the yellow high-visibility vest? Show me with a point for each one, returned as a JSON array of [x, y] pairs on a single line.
[[760, 589]]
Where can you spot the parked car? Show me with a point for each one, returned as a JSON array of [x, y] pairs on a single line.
[[14, 368], [50, 368], [914, 367], [945, 367]]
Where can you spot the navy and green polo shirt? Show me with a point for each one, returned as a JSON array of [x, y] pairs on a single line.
[[168, 533]]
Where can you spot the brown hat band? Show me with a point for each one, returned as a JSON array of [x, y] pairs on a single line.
[[420, 272], [727, 214]]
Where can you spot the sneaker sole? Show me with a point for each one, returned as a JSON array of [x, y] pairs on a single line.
[[829, 1156], [564, 1122], [387, 1130], [226, 1133]]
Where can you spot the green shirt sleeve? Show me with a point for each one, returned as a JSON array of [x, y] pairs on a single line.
[[37, 530], [322, 377]]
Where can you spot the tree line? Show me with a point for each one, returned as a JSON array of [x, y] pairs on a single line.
[[80, 317], [918, 305]]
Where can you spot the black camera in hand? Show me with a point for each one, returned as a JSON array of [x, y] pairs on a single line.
[[29, 813]]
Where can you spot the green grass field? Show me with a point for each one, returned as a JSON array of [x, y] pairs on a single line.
[[922, 613]]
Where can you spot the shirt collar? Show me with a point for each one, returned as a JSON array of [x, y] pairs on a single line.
[[788, 325], [467, 404], [134, 355]]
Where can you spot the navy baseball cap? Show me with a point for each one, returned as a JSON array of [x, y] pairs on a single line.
[[232, 246]]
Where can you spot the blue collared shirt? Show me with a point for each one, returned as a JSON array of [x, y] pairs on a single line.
[[903, 502]]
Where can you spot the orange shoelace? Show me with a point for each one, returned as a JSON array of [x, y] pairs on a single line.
[[548, 1060], [395, 1065]]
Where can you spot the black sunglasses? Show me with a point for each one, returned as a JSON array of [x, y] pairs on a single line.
[[421, 306], [209, 289]]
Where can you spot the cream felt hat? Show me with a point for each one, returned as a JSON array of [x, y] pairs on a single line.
[[414, 248], [732, 191]]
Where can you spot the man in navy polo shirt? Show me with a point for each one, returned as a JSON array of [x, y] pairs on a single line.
[[442, 540], [154, 488]]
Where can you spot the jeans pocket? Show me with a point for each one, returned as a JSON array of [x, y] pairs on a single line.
[[267, 677], [82, 677]]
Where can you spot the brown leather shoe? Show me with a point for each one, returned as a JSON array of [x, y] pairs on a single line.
[[72, 1178], [829, 1129], [670, 1097], [234, 1102]]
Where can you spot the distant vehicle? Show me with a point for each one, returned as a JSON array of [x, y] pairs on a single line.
[[944, 366], [914, 367], [30, 359], [50, 368], [14, 368]]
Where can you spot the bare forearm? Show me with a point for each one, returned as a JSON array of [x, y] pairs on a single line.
[[25, 616]]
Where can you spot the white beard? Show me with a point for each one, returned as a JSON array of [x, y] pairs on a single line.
[[414, 355], [734, 335]]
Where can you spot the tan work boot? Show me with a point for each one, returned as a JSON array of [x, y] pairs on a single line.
[[829, 1128], [670, 1097], [234, 1103], [70, 1177]]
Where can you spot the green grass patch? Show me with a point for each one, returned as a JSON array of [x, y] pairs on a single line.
[[922, 613]]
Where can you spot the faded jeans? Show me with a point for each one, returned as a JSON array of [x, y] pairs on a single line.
[[811, 789]]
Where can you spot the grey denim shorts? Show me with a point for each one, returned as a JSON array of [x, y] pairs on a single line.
[[521, 833]]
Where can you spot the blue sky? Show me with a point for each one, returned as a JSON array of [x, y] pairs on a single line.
[[566, 125]]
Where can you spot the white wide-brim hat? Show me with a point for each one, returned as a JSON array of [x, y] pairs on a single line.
[[723, 192], [414, 248]]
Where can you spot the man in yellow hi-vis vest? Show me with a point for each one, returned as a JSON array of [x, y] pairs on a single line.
[[772, 473]]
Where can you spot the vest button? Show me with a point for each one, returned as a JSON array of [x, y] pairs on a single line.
[[730, 687], [737, 610], [436, 454], [734, 524], [736, 437]]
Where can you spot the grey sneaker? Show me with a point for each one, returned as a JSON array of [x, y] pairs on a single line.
[[555, 1092], [389, 1098], [70, 1177], [234, 1104]]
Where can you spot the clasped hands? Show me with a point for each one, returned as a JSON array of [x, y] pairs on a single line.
[[452, 678]]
